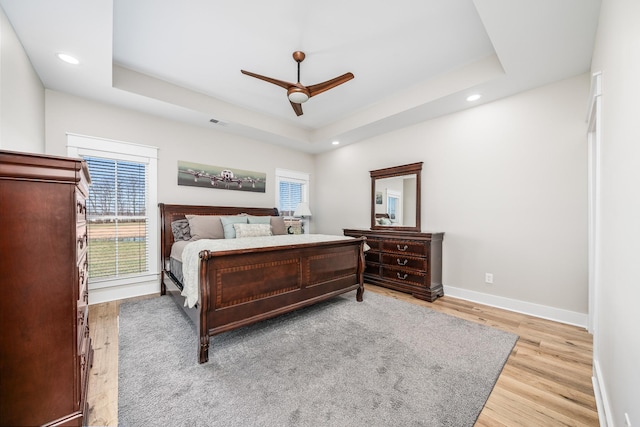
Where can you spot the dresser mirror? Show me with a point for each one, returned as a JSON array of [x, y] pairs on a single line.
[[395, 198]]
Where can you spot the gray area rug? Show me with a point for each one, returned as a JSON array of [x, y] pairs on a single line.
[[381, 362]]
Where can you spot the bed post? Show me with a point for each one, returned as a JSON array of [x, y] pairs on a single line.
[[204, 308], [361, 266], [163, 288]]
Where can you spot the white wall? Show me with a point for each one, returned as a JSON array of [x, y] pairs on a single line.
[[617, 355], [506, 182], [176, 141], [21, 95]]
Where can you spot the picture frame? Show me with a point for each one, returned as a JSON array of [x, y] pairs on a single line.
[[220, 177]]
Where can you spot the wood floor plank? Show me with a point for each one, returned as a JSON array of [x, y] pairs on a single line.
[[103, 376], [545, 382], [577, 397]]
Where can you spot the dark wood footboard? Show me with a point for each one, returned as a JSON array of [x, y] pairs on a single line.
[[240, 287]]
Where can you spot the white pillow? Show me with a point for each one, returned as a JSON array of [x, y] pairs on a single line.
[[252, 230]]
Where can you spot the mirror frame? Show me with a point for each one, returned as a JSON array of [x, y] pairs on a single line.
[[413, 168]]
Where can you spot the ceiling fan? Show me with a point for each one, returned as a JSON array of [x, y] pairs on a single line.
[[298, 93]]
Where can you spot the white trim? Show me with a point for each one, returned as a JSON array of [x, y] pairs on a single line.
[[594, 139], [601, 396], [292, 175], [123, 281], [532, 309], [113, 293], [89, 142], [594, 143], [108, 290]]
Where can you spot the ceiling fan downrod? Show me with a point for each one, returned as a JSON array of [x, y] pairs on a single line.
[[298, 57]]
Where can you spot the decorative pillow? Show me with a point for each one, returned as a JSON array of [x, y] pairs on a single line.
[[277, 225], [181, 230], [385, 221], [294, 226], [227, 225], [259, 219], [252, 230], [205, 227]]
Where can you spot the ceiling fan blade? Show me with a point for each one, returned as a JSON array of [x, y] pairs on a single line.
[[280, 83], [297, 108], [329, 84]]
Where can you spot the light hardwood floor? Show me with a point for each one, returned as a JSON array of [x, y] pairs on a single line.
[[545, 382]]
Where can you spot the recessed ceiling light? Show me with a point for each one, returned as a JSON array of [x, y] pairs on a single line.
[[474, 97], [336, 142], [67, 58]]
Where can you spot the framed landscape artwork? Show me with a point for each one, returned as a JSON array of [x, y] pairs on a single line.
[[223, 178]]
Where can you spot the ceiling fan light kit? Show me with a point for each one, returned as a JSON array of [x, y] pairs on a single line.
[[298, 93]]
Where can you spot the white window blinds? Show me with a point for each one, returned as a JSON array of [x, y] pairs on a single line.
[[118, 226], [290, 196], [291, 188]]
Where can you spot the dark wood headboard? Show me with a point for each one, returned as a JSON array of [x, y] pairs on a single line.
[[170, 213]]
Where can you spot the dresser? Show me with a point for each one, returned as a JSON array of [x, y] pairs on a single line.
[[45, 349], [406, 261]]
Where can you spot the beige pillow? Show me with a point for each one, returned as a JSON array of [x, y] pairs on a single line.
[[205, 227], [277, 225], [252, 230]]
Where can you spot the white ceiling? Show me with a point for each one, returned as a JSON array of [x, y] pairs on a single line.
[[412, 59]]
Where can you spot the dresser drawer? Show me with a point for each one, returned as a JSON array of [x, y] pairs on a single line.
[[402, 276], [372, 269], [404, 262], [82, 239], [371, 256], [83, 278], [81, 207], [374, 244], [85, 361], [405, 247], [83, 327]]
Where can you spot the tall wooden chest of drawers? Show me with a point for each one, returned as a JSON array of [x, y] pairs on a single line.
[[45, 349], [403, 260]]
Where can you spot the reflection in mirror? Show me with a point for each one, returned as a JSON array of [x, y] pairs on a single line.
[[392, 207], [395, 201]]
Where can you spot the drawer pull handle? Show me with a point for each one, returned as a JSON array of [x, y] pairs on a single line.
[[402, 262], [402, 249], [404, 276]]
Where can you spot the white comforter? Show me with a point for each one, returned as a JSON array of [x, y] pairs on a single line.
[[191, 260]]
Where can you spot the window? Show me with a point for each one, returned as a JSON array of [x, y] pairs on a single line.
[[121, 223], [117, 223], [291, 188], [394, 205]]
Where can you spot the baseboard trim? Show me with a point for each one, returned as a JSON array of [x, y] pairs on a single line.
[[600, 394], [537, 310], [112, 293]]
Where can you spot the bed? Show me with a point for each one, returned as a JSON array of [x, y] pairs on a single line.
[[238, 283]]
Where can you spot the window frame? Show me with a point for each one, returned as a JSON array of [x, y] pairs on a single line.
[[292, 176], [81, 145]]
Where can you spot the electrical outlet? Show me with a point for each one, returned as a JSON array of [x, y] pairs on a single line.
[[488, 278]]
